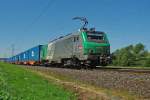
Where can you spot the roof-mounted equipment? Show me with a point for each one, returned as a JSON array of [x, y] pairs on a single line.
[[84, 20]]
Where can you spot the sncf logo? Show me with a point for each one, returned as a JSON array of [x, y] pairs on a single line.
[[32, 53], [80, 46]]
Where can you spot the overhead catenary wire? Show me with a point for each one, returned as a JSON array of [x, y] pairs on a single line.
[[44, 10], [30, 25], [13, 50]]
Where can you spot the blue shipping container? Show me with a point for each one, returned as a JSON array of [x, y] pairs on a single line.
[[24, 56], [34, 53]]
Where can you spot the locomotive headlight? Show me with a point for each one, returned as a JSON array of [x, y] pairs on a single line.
[[101, 57], [91, 51], [108, 57]]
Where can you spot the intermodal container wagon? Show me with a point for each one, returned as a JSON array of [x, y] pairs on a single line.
[[34, 55], [16, 59], [13, 59], [24, 57]]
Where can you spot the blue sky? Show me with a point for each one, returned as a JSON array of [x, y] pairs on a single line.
[[125, 21]]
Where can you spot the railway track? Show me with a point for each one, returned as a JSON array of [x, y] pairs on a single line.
[[119, 69], [136, 70], [135, 81]]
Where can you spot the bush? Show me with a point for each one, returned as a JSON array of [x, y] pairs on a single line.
[[147, 63], [132, 55]]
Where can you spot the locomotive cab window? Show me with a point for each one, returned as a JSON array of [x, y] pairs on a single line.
[[95, 37]]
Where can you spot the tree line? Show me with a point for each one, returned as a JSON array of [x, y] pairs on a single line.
[[132, 55]]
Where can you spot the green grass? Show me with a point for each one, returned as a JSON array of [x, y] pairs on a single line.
[[17, 83]]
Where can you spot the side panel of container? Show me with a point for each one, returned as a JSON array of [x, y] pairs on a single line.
[[43, 52], [21, 57], [16, 58], [24, 57], [10, 60], [34, 53], [13, 59]]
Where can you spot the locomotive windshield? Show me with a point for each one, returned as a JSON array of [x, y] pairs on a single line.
[[95, 36]]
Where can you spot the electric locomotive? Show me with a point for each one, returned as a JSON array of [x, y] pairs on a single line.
[[87, 47]]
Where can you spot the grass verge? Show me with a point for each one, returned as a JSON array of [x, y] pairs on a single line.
[[20, 84]]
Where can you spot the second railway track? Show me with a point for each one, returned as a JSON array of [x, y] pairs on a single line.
[[136, 70]]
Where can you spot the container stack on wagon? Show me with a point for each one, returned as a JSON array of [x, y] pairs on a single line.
[[33, 56], [4, 59]]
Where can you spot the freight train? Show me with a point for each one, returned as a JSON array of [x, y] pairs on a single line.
[[86, 47]]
